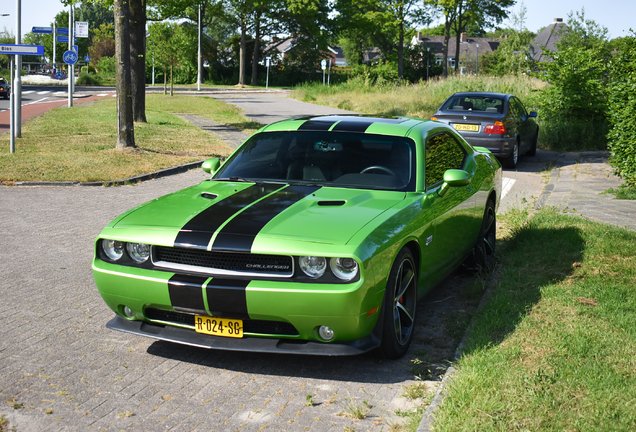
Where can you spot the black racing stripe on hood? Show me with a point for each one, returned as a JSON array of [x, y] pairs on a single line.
[[239, 234], [186, 293], [198, 231], [316, 125], [226, 298]]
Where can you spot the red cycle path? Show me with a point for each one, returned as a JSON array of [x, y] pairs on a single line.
[[35, 109]]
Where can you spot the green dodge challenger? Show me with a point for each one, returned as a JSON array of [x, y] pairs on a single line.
[[317, 236]]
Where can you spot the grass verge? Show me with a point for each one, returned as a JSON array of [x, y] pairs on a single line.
[[78, 144], [623, 192], [555, 346]]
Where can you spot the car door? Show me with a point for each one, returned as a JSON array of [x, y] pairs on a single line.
[[524, 124], [454, 212]]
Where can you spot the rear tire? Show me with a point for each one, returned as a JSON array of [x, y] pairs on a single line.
[[398, 308], [484, 251], [533, 148], [513, 157]]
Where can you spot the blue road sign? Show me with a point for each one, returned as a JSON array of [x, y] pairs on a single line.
[[42, 30], [61, 30], [64, 39], [59, 75], [87, 59], [22, 49], [70, 57]]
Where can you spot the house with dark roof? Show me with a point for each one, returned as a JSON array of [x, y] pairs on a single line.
[[468, 46], [546, 41]]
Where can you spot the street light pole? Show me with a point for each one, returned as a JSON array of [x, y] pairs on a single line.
[[17, 85], [199, 54]]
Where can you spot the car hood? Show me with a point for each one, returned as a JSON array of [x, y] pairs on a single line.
[[232, 216]]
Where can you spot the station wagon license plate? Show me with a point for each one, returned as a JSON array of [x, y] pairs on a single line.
[[466, 127], [218, 326]]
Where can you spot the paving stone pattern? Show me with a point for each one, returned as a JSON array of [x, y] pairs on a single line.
[[62, 369]]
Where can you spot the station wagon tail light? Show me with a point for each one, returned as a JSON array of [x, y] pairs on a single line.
[[434, 118], [497, 128]]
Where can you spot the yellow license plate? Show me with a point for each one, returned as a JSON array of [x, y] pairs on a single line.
[[218, 326], [466, 127]]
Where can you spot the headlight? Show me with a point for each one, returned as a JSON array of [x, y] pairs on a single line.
[[313, 267], [344, 268], [139, 252], [113, 249]]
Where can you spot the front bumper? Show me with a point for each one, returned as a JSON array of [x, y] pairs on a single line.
[[251, 344]]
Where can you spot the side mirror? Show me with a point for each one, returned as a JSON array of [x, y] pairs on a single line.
[[211, 166], [532, 114], [453, 178]]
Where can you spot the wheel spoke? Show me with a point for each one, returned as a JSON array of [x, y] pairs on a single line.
[[406, 312], [488, 246], [405, 282]]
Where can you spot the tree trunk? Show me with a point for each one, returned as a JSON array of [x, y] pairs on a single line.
[[255, 55], [125, 124], [165, 80], [401, 51], [458, 34], [447, 26], [138, 58], [242, 55]]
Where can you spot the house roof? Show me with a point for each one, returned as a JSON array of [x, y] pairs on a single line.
[[547, 40], [467, 46], [282, 46]]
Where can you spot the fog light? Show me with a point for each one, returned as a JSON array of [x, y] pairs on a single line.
[[128, 312], [326, 333]]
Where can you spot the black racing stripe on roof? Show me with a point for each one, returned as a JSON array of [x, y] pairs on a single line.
[[316, 125], [198, 231], [227, 298], [186, 293], [362, 124], [239, 234]]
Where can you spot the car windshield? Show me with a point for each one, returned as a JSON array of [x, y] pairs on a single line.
[[341, 159], [474, 103]]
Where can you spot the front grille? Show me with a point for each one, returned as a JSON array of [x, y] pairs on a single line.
[[231, 263], [249, 326]]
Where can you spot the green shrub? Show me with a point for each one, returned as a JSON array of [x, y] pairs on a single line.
[[106, 66], [88, 79], [622, 111]]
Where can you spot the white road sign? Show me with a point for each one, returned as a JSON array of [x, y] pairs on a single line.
[[81, 29]]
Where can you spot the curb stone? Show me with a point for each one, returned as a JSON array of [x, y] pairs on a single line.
[[135, 179], [429, 415]]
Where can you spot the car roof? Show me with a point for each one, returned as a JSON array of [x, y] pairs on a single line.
[[486, 94], [382, 125]]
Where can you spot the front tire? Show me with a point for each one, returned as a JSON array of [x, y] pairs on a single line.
[[400, 300], [533, 149]]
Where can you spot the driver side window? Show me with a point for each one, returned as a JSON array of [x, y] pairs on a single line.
[[443, 152]]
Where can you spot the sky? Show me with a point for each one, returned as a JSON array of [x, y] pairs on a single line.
[[616, 15]]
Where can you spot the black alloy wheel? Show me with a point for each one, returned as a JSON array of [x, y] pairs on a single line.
[[400, 300], [485, 248]]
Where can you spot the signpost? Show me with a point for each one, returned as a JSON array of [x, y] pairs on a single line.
[[70, 57], [47, 30], [267, 61], [323, 66], [22, 49], [81, 29], [15, 105], [87, 58], [64, 39]]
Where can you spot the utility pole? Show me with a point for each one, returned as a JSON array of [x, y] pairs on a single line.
[[199, 54]]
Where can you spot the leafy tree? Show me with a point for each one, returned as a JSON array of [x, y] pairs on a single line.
[[172, 45], [103, 43], [622, 110], [387, 23], [578, 72]]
